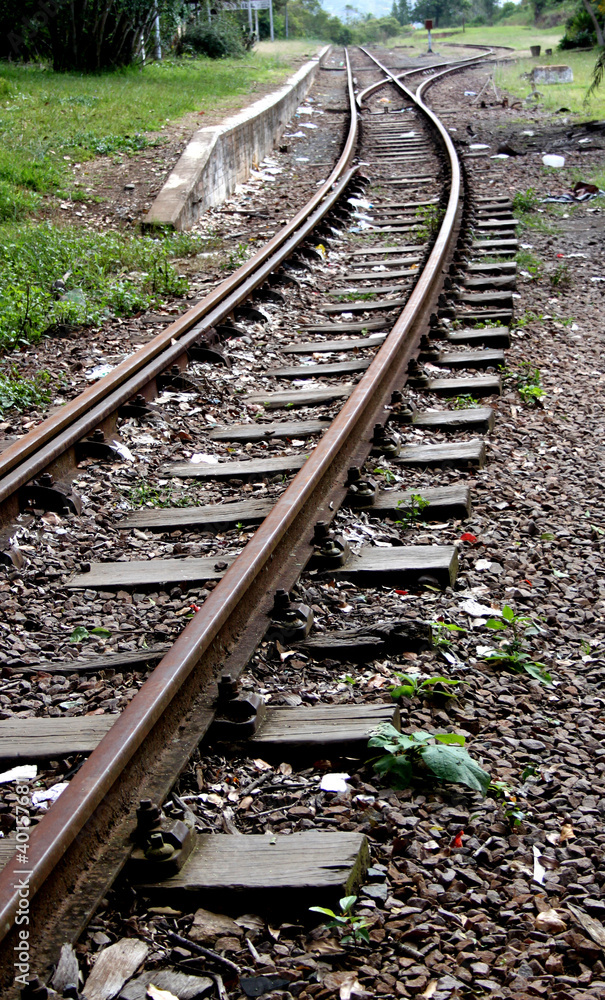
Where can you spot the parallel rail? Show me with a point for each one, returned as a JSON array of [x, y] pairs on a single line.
[[78, 848]]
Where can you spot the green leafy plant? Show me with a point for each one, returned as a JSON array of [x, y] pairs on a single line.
[[356, 928], [528, 262], [412, 510], [429, 218], [19, 393], [421, 753], [463, 402], [439, 630], [414, 687], [512, 812], [526, 201], [512, 652], [561, 276], [527, 381], [81, 632], [143, 495], [235, 257], [386, 474]]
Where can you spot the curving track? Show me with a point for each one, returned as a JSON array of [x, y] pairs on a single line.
[[79, 847]]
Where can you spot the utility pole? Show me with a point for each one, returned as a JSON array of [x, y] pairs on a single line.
[[271, 20], [286, 18], [158, 37]]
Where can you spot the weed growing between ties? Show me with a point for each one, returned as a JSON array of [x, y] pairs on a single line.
[[19, 393], [513, 652], [430, 688], [429, 219], [527, 381], [143, 495], [351, 929], [51, 275], [412, 510], [422, 755]]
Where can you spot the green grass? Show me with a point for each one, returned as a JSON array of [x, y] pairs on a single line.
[[102, 274], [557, 95], [50, 122], [20, 393], [50, 125], [519, 36]]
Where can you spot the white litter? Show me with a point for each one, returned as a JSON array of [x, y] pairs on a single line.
[[293, 135], [98, 372], [478, 145], [476, 610], [335, 783], [482, 564], [48, 795], [122, 450], [539, 870], [24, 772], [201, 459], [470, 93], [553, 160], [500, 156], [308, 125]]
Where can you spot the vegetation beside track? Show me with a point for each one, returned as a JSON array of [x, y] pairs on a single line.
[[49, 124]]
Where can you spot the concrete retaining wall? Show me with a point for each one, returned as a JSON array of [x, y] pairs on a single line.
[[217, 158], [552, 74]]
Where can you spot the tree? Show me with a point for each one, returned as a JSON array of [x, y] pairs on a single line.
[[85, 35], [434, 10], [593, 17], [401, 12]]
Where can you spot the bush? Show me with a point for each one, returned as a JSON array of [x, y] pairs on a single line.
[[217, 40], [579, 31]]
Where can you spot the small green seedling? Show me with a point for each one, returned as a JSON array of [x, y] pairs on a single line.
[[512, 813], [526, 201], [413, 687], [439, 628], [81, 632], [356, 927], [512, 653], [442, 755], [410, 515], [386, 474], [465, 402]]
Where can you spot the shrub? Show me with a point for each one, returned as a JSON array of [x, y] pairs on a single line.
[[216, 41]]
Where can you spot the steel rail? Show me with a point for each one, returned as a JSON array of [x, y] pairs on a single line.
[[51, 837], [213, 634], [365, 93], [31, 454]]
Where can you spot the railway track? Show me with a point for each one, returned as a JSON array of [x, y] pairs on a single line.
[[386, 308]]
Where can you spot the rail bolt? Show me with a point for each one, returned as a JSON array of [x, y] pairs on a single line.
[[290, 621], [360, 492], [385, 444], [156, 848], [149, 815], [331, 550], [417, 376]]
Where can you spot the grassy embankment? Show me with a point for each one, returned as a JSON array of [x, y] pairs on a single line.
[[48, 123]]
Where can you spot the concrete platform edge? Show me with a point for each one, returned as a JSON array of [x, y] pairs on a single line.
[[219, 157]]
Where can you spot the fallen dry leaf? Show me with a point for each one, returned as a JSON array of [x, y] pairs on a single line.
[[346, 983], [566, 833], [589, 924], [550, 922], [430, 989], [155, 994]]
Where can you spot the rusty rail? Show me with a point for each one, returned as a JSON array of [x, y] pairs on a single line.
[[151, 741]]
